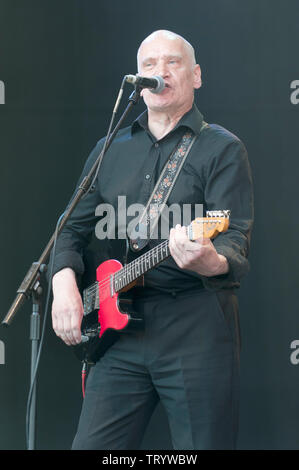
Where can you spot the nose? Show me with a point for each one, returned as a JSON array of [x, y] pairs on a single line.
[[162, 69]]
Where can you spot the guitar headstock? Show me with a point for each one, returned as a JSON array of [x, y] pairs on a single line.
[[210, 226]]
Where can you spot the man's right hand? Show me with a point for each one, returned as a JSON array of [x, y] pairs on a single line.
[[67, 307]]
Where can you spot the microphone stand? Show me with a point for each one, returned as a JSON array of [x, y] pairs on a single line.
[[31, 287]]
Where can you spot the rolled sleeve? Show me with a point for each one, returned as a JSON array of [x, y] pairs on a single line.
[[229, 186]]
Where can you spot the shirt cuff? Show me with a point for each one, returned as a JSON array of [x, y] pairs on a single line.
[[66, 259], [238, 267]]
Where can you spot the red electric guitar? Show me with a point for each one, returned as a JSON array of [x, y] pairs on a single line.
[[106, 312]]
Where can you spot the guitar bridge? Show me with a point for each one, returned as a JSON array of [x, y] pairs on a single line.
[[92, 331]]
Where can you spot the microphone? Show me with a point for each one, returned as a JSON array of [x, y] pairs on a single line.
[[156, 83]]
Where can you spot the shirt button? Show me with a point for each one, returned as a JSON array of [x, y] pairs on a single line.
[[156, 145], [147, 177]]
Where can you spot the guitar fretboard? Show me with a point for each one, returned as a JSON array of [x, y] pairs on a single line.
[[140, 266]]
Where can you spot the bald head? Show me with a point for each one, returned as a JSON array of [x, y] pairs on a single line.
[[171, 57], [163, 33]]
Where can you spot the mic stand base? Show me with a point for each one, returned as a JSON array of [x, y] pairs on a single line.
[[34, 338]]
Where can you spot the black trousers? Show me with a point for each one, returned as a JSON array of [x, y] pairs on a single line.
[[187, 356]]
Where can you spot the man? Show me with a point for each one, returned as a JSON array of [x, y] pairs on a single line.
[[187, 355]]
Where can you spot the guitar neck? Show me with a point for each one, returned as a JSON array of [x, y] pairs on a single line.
[[132, 271]]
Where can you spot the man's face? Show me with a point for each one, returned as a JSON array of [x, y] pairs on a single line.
[[170, 59]]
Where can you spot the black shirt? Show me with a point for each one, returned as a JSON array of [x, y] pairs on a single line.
[[215, 174]]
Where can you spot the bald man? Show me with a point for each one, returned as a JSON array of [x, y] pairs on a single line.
[[187, 355]]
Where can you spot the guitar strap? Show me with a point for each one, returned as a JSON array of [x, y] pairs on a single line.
[[162, 190]]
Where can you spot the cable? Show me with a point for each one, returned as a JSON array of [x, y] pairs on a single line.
[[83, 377], [43, 333]]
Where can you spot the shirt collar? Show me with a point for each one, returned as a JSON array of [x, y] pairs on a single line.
[[193, 119]]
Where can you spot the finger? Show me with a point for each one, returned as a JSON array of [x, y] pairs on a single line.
[[183, 242], [54, 320], [76, 328], [66, 335], [174, 242], [178, 236], [181, 246], [68, 330], [177, 250], [65, 339], [60, 330]]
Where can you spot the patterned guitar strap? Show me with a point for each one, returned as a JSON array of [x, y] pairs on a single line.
[[157, 201]]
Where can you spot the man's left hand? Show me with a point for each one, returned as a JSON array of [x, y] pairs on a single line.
[[199, 256]]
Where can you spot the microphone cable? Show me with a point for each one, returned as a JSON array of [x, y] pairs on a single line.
[[42, 334]]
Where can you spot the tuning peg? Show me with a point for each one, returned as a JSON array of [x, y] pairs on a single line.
[[222, 213]]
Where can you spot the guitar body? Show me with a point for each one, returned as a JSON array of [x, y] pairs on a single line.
[[109, 314], [115, 315]]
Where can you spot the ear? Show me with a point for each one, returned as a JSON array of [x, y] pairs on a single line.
[[197, 76]]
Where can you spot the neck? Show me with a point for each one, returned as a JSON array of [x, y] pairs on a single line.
[[160, 123]]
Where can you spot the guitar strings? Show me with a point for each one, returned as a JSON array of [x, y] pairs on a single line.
[[129, 269]]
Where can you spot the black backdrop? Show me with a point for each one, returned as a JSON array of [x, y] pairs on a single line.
[[61, 64]]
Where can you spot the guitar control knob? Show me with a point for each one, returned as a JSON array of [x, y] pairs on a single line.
[[84, 338]]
